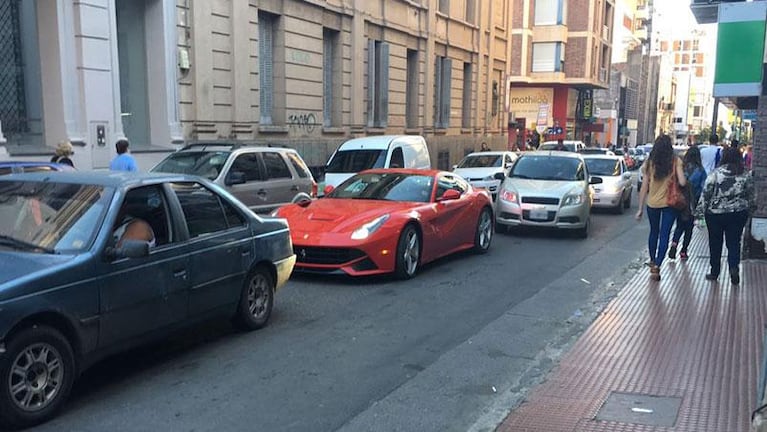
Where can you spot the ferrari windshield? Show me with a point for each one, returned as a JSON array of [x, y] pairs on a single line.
[[50, 217], [603, 167], [481, 161], [386, 186], [206, 164], [548, 168]]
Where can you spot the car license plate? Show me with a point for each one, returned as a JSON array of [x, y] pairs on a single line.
[[539, 214]]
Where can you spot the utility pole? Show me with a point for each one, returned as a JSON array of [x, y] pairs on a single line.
[[715, 118]]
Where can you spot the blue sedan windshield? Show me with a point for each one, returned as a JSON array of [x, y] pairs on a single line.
[[49, 216]]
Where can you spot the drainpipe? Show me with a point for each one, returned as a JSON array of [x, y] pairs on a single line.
[[2, 137]]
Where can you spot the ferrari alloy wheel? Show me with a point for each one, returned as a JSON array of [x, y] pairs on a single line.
[[408, 253], [37, 371], [256, 300], [484, 234]]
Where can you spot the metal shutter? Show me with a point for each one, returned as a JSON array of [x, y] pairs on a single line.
[[371, 82], [447, 70], [382, 118], [266, 66], [327, 79]]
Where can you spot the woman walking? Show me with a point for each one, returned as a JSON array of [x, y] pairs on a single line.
[[661, 168], [685, 222], [728, 197]]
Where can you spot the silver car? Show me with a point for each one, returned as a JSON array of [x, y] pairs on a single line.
[[615, 190], [479, 169], [547, 189], [263, 178]]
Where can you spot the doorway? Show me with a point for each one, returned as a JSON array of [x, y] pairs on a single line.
[[132, 58]]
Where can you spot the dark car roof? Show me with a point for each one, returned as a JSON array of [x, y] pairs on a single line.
[[115, 179]]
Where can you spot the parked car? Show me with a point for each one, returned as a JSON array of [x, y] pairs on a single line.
[[571, 145], [615, 190], [389, 151], [76, 284], [10, 167], [479, 169], [630, 162], [596, 150], [384, 221], [547, 189], [639, 155], [263, 178]]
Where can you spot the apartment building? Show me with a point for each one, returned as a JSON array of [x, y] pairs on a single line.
[[308, 74], [562, 53]]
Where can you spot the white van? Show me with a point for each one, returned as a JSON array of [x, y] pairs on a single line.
[[388, 151]]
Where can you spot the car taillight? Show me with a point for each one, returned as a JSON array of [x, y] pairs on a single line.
[[314, 189]]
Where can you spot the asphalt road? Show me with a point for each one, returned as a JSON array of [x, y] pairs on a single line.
[[454, 349]]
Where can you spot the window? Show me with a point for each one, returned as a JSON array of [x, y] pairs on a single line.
[[664, 46], [685, 59], [248, 165], [444, 6], [550, 12], [686, 45], [695, 44], [203, 210], [443, 160], [233, 217], [548, 57], [275, 166], [147, 203], [298, 165], [266, 48], [466, 108], [447, 182], [378, 83], [442, 72], [411, 97], [697, 111], [471, 6], [397, 158], [331, 74]]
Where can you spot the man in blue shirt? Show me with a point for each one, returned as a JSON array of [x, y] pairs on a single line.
[[123, 161]]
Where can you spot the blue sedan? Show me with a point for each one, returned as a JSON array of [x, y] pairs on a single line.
[[95, 263]]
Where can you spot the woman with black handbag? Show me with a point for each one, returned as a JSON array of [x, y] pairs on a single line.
[[696, 175], [663, 175], [728, 198]]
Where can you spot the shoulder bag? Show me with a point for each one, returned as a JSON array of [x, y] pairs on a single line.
[[675, 196]]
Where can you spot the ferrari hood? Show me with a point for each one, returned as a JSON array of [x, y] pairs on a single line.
[[338, 215]]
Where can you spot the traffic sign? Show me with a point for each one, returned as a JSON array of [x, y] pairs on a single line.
[[543, 117]]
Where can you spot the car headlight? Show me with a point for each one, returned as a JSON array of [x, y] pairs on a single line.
[[509, 196], [364, 231], [573, 200]]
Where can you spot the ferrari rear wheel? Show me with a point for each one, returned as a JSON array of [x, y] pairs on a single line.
[[484, 233], [408, 253]]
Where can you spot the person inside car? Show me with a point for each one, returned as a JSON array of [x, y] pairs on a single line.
[[129, 227]]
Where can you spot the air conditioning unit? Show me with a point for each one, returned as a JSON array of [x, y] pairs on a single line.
[[603, 77], [605, 32]]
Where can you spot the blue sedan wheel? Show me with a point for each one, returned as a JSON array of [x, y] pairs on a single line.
[[256, 300]]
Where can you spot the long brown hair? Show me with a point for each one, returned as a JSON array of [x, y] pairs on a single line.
[[733, 160], [662, 157]]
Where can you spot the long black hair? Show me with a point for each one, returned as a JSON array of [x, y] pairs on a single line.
[[733, 160], [692, 159], [662, 157]]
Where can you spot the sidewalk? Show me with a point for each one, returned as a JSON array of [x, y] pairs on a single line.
[[682, 354]]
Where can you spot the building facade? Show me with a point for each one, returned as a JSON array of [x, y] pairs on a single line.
[[308, 74], [562, 52]]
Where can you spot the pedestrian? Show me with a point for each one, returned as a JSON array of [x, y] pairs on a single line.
[[662, 167], [560, 145], [63, 152], [685, 222], [748, 157], [728, 198], [123, 161], [711, 154], [483, 147]]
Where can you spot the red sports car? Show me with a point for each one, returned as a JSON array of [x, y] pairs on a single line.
[[389, 220]]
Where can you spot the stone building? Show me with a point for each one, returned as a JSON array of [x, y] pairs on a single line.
[[303, 73]]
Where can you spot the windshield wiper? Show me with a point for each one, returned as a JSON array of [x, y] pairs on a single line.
[[7, 240]]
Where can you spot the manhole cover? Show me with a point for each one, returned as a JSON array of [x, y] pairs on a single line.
[[640, 409]]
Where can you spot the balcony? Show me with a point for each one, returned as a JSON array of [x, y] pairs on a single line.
[[641, 33], [642, 13]]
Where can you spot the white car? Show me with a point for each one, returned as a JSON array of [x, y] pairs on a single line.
[[479, 169], [615, 190]]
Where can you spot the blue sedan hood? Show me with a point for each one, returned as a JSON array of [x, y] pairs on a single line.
[[14, 265]]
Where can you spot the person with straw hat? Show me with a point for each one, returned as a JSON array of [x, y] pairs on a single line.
[[63, 152]]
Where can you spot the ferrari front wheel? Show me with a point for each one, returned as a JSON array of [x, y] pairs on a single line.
[[484, 233], [408, 253]]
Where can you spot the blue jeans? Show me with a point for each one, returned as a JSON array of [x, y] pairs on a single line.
[[661, 221]]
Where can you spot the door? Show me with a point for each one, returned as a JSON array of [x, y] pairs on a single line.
[[220, 247], [450, 221], [252, 192], [279, 186], [132, 58], [140, 295]]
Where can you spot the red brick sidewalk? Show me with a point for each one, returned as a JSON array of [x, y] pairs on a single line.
[[695, 342]]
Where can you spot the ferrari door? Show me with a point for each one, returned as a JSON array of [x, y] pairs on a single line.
[[452, 223]]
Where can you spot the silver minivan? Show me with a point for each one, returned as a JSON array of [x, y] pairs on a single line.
[[263, 178]]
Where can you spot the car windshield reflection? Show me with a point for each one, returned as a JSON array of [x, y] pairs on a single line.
[[201, 163], [603, 167], [386, 186], [481, 161], [548, 168]]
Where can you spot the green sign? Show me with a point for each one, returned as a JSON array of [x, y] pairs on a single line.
[[740, 49]]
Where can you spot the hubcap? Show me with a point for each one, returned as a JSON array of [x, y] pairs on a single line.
[[36, 377], [485, 230], [258, 296], [411, 254]]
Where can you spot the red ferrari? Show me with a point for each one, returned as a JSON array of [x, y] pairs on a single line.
[[389, 220]]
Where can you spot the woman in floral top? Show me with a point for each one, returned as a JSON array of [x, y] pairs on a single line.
[[728, 197]]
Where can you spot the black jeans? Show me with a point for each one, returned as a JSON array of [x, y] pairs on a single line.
[[727, 227], [683, 226]]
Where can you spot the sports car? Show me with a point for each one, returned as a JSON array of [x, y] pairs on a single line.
[[389, 221]]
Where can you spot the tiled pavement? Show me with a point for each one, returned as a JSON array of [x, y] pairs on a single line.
[[695, 341]]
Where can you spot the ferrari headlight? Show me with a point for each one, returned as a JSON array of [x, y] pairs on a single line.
[[573, 200], [364, 231]]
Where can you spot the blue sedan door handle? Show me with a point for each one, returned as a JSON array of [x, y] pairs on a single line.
[[180, 273]]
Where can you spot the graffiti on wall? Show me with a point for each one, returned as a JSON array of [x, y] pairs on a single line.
[[302, 122]]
